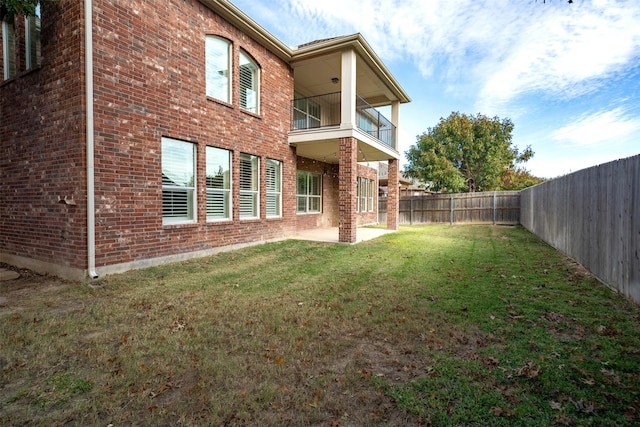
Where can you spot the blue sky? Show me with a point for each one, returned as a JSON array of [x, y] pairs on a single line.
[[567, 75]]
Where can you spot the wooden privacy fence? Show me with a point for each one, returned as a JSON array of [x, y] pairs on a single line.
[[593, 216], [496, 207]]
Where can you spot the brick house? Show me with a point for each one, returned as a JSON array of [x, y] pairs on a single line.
[[136, 132]]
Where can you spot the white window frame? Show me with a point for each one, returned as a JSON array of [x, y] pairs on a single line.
[[218, 80], [274, 188], [249, 186], [32, 39], [358, 194], [179, 178], [219, 184], [306, 196], [361, 194], [371, 195], [9, 49], [249, 90]]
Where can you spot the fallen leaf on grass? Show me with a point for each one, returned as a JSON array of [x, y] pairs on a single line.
[[610, 375], [499, 412], [491, 361], [554, 317], [582, 406], [178, 325], [530, 370], [562, 420], [555, 405]]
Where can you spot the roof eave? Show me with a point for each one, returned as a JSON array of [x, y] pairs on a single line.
[[250, 27]]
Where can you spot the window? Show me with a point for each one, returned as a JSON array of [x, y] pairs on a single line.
[[178, 181], [249, 83], [32, 39], [249, 186], [274, 188], [306, 113], [372, 187], [8, 48], [361, 194], [218, 68], [218, 184], [309, 191], [364, 194]]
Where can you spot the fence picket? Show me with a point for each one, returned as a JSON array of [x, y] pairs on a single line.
[[501, 207], [593, 216]]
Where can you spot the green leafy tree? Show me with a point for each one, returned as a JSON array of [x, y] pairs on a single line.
[[517, 179], [465, 153], [19, 7]]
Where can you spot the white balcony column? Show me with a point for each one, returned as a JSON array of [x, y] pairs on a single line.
[[395, 119], [348, 89]]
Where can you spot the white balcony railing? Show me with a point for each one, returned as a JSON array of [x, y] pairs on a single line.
[[324, 111]]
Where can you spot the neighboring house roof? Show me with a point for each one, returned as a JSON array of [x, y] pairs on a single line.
[[308, 50], [406, 182]]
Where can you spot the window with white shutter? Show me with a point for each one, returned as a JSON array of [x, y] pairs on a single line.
[[178, 181], [249, 186], [274, 188], [218, 184], [363, 194], [371, 194], [249, 84], [218, 68]]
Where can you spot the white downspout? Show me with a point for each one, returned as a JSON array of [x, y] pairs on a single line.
[[91, 219]]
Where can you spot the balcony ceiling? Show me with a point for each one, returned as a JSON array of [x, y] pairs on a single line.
[[316, 63], [325, 148], [313, 77]]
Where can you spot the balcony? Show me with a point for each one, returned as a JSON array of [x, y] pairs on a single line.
[[323, 111]]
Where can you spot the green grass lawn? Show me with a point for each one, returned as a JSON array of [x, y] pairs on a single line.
[[438, 325]]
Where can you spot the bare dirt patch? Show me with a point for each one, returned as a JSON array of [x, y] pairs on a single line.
[[29, 287]]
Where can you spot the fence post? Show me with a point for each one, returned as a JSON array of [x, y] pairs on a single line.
[[494, 208], [452, 214]]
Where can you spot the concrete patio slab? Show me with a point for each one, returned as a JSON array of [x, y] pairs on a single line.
[[330, 235]]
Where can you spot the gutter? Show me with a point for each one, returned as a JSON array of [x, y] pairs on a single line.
[[91, 218]]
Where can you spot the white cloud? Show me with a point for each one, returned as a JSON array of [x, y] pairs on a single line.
[[603, 126], [564, 54], [504, 48]]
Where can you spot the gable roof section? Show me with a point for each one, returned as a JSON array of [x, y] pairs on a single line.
[[308, 50]]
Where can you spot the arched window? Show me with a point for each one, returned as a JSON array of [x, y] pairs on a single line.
[[249, 84], [218, 68]]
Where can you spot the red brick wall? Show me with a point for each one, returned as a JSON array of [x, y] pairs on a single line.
[[347, 192], [41, 141], [149, 82], [150, 87]]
